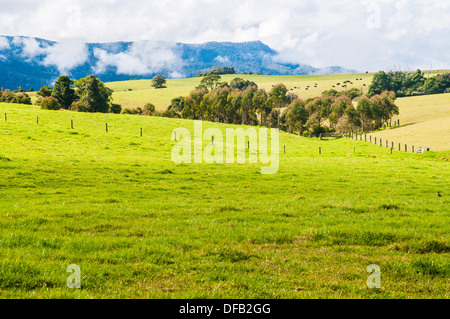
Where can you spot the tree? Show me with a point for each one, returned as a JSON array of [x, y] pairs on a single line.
[[45, 91], [93, 95], [278, 98], [297, 116], [364, 110], [63, 91], [381, 81], [210, 81], [241, 84], [260, 104], [159, 81]]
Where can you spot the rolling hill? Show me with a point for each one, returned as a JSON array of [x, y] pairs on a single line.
[[140, 226]]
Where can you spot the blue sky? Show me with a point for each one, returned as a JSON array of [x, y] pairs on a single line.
[[358, 34]]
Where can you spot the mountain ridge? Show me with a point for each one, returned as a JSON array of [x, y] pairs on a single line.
[[34, 62]]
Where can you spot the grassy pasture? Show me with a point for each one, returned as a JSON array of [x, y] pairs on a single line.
[[424, 121], [140, 226]]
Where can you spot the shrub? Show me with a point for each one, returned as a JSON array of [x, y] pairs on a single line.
[[115, 108], [50, 103], [149, 109]]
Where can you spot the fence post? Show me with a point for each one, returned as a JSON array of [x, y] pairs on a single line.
[[375, 140], [370, 138], [37, 119], [413, 148], [141, 131], [399, 147], [5, 118], [320, 151], [392, 144], [406, 147], [106, 127], [381, 142], [71, 124], [284, 149], [365, 137]]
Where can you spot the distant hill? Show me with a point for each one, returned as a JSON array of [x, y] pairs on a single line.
[[34, 62]]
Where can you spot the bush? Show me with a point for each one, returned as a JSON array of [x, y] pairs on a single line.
[[115, 108], [149, 109], [21, 98], [50, 103]]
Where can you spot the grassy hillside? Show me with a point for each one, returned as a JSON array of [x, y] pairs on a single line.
[[142, 92], [425, 121], [140, 226]]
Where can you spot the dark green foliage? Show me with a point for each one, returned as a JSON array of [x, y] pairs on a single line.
[[219, 70], [177, 104], [409, 84], [241, 84], [93, 95], [115, 108], [63, 91], [45, 91]]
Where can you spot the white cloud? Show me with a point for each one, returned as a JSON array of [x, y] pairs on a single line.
[[31, 48], [66, 55], [4, 43], [222, 59], [143, 57], [361, 34]]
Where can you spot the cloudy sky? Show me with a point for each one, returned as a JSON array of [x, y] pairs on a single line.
[[358, 34]]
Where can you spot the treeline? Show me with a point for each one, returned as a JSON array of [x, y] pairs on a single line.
[[7, 96], [244, 103], [409, 84], [218, 70], [85, 95]]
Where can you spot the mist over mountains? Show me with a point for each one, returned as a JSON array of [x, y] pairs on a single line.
[[34, 62]]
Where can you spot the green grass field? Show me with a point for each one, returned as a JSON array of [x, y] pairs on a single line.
[[140, 226]]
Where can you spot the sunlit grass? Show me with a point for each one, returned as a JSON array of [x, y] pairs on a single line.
[[140, 226]]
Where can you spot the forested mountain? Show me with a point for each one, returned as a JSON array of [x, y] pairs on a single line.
[[33, 62]]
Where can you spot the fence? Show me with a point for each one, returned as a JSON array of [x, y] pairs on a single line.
[[379, 141]]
